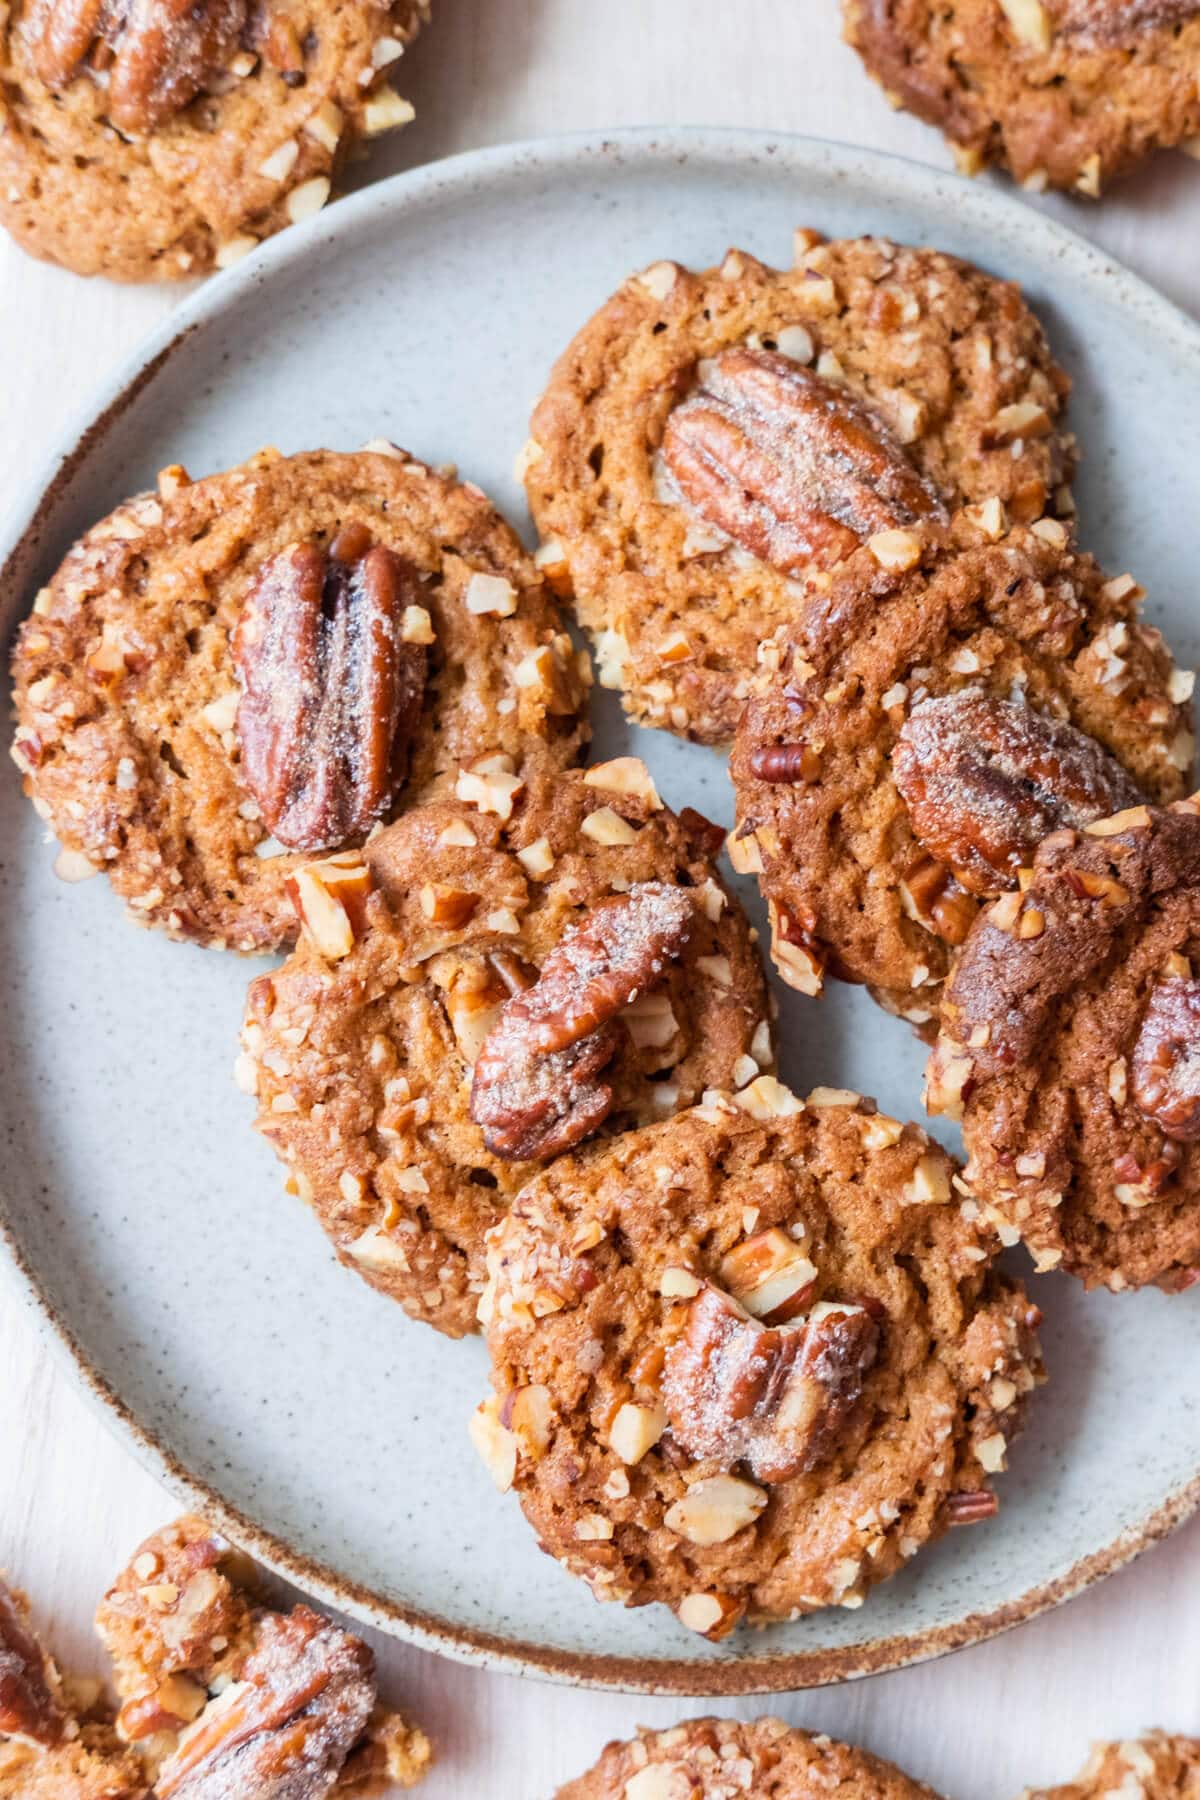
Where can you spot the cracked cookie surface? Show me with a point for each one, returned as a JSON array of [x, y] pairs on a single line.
[[152, 142], [1065, 93], [722, 1759], [383, 1072], [1070, 1048], [991, 618], [1155, 1767], [132, 720], [953, 395], [804, 1277]]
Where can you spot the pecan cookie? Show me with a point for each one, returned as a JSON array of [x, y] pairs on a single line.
[[223, 1695], [723, 1759], [152, 141], [748, 1361], [708, 439], [1065, 93], [234, 673], [1070, 1049], [1156, 1767], [504, 977], [923, 723]]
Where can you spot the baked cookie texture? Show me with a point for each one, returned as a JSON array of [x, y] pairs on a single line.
[[1155, 1767], [1065, 93], [392, 1064], [159, 142], [871, 864], [242, 645], [223, 1694], [695, 408], [1070, 1048], [748, 1361], [721, 1759]]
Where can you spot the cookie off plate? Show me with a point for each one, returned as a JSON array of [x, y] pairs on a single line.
[[144, 1223]]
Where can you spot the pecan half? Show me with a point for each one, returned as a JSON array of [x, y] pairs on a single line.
[[154, 55], [773, 1397], [29, 1706], [536, 1088], [1109, 21], [331, 693], [285, 1729], [1165, 1067], [985, 780], [792, 467]]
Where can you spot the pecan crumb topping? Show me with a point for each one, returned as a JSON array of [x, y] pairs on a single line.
[[331, 692], [1166, 1060], [153, 55], [537, 1087], [773, 1397]]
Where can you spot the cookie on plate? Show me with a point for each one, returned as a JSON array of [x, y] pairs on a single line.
[[724, 1759], [223, 1694], [1065, 93], [748, 1361], [917, 729], [232, 674], [1070, 1048], [155, 142], [511, 975], [1155, 1767], [708, 439]]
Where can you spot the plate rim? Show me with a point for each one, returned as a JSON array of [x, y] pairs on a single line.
[[22, 528]]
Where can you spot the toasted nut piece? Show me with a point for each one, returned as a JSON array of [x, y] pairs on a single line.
[[494, 1443], [449, 906], [715, 1509], [769, 1275], [712, 1615], [1165, 1066], [791, 467], [625, 775], [31, 1707], [329, 898], [636, 1429], [528, 1414]]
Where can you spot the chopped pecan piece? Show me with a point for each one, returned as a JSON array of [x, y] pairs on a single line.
[[30, 1707], [790, 466], [156, 54], [985, 780], [1165, 1068], [283, 1731], [331, 692], [773, 1397], [537, 1088]]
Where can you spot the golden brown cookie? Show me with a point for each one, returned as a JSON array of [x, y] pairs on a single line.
[[1065, 93], [723, 1759], [155, 141], [748, 1361], [922, 716], [1155, 1767], [708, 439], [1070, 1048], [223, 1695], [503, 984], [301, 645]]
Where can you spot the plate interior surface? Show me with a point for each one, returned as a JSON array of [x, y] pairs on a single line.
[[146, 1219]]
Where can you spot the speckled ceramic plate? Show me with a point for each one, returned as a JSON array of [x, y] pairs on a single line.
[[145, 1222]]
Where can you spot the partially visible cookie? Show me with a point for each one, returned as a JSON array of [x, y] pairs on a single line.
[[1155, 1767], [1065, 93], [152, 142], [709, 438], [917, 729], [300, 646], [1070, 1048], [512, 975], [747, 1362], [723, 1759]]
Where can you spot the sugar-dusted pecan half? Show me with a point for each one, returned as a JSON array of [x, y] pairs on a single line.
[[1109, 21], [775, 1398], [536, 1088], [1165, 1068], [985, 780], [283, 1731], [154, 55], [792, 467], [30, 1708], [331, 692]]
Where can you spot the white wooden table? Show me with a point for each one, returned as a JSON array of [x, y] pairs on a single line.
[[72, 1503]]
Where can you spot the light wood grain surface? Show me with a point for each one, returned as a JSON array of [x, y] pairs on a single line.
[[72, 1503]]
